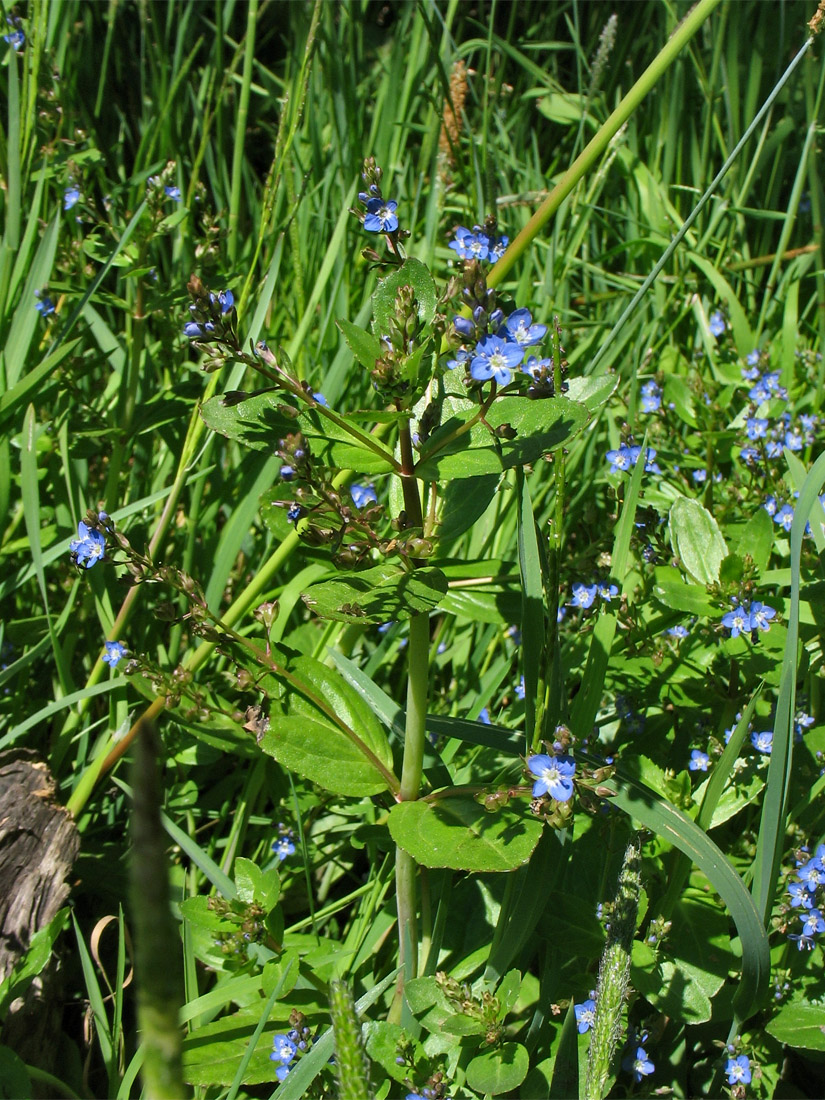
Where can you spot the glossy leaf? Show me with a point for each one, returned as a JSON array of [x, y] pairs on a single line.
[[697, 540], [499, 1070], [457, 832], [377, 595], [363, 345], [799, 1025]]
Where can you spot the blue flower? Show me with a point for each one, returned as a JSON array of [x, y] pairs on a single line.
[[812, 923], [756, 427], [89, 546], [752, 358], [283, 1049], [640, 1066], [225, 298], [651, 397], [770, 505], [319, 397], [583, 594], [519, 327], [651, 467], [363, 495], [17, 40], [622, 459], [484, 716], [471, 246], [496, 358], [196, 331], [812, 874], [499, 248], [294, 513], [608, 591], [677, 631], [115, 651], [552, 775], [461, 358], [534, 367], [716, 324], [800, 896], [698, 761], [520, 689], [44, 305], [760, 616], [763, 742], [71, 197], [738, 1070], [737, 621], [749, 455], [172, 193], [784, 517], [380, 217], [585, 1015], [699, 476]]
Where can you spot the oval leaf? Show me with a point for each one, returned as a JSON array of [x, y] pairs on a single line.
[[697, 540], [256, 420], [377, 595], [500, 1070], [799, 1025], [457, 832]]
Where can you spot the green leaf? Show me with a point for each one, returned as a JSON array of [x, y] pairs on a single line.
[[14, 1078], [565, 1081], [697, 540], [593, 390], [377, 595], [539, 427], [691, 966], [500, 1070], [457, 832], [307, 739], [411, 273], [463, 501], [363, 345], [799, 1025], [258, 420], [671, 590]]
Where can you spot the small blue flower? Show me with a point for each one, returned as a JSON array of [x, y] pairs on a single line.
[[115, 652], [585, 1015], [737, 621], [800, 895], [462, 357], [499, 248], [553, 776], [651, 398], [770, 505], [716, 324], [760, 616], [520, 690], [225, 298], [749, 455], [319, 397], [738, 1070], [583, 595], [471, 246], [784, 517], [44, 305], [699, 476], [294, 513], [484, 716], [519, 327], [173, 193], [640, 1065], [534, 367], [622, 459], [496, 358], [763, 742], [89, 546], [608, 591], [381, 217], [698, 761], [17, 40], [812, 874], [756, 427], [752, 358], [71, 197], [812, 923], [677, 631], [363, 495], [283, 1049], [283, 847]]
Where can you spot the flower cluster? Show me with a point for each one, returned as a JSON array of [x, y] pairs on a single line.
[[741, 620], [290, 1045], [584, 595], [481, 243], [625, 458], [806, 896], [213, 315]]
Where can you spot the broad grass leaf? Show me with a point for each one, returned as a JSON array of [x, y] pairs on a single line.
[[697, 540], [457, 832], [377, 595]]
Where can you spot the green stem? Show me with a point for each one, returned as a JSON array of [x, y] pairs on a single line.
[[594, 149], [240, 130]]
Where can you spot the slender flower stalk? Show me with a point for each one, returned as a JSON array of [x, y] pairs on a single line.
[[614, 976]]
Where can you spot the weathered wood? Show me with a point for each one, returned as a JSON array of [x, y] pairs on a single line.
[[38, 845]]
